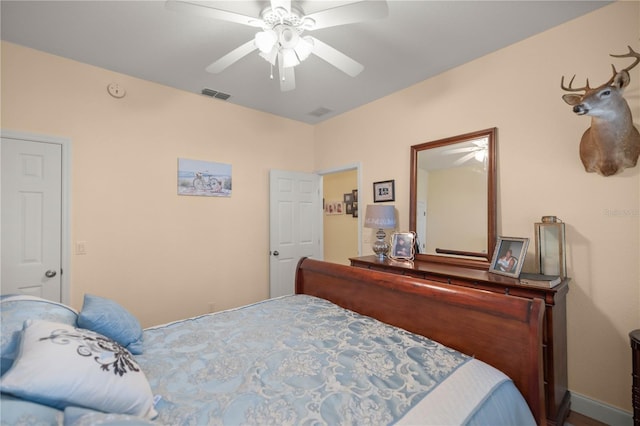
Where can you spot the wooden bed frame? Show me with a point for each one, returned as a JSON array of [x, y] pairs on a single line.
[[503, 331]]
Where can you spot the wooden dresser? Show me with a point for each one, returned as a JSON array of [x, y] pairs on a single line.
[[557, 396]]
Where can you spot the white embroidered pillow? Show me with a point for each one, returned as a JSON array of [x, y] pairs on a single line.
[[60, 365]]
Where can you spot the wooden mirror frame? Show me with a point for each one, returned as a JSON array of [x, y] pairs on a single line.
[[461, 258]]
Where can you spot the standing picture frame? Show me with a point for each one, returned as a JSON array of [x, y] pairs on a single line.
[[403, 246], [508, 256], [384, 191]]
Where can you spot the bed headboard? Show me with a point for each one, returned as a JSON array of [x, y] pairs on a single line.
[[503, 331]]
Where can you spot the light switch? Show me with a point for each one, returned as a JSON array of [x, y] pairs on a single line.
[[81, 247]]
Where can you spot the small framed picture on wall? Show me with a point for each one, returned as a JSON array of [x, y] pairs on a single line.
[[384, 191]]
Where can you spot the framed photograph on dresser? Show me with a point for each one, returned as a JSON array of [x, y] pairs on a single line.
[[402, 246], [508, 257]]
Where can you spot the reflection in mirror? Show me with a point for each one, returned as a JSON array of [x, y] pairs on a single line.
[[452, 198]]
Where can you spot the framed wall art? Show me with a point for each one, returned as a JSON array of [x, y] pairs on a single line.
[[384, 191], [508, 257], [354, 210], [334, 207], [204, 178]]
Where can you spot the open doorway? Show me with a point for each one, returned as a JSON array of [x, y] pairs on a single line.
[[341, 218]]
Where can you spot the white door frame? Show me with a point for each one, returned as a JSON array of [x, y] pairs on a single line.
[[65, 249], [347, 167]]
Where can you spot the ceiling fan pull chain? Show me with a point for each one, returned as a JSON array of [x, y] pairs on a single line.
[[271, 75]]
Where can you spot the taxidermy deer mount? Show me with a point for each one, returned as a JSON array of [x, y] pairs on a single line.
[[612, 143]]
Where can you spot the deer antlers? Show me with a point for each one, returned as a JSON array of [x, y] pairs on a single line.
[[631, 54]]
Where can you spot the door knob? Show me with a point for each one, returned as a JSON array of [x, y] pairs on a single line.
[[276, 253], [50, 274]]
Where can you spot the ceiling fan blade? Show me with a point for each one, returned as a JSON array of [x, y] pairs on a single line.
[[287, 79], [459, 150], [199, 9], [464, 159], [284, 4], [231, 57], [349, 14], [336, 58]]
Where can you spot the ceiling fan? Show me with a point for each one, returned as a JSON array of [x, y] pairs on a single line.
[[476, 149], [281, 41]]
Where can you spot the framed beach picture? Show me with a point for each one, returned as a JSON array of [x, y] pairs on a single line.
[[204, 178], [508, 257]]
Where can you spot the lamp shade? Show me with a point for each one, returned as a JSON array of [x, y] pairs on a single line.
[[266, 40], [380, 216]]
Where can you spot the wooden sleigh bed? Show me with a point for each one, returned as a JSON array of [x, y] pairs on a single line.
[[352, 347], [503, 331]]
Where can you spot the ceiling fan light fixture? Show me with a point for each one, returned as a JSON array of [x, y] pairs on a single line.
[[304, 48], [287, 36], [270, 56], [266, 40], [289, 58]]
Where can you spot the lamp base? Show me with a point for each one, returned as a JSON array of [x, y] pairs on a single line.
[[380, 246]]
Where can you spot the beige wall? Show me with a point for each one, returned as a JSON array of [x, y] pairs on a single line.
[[456, 223], [166, 257], [161, 255], [341, 230], [517, 89]]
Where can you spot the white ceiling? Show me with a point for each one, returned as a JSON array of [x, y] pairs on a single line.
[[418, 40]]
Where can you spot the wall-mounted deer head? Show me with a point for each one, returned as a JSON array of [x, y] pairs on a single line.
[[612, 143]]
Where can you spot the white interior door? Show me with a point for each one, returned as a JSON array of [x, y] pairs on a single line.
[[295, 223], [31, 218], [421, 225]]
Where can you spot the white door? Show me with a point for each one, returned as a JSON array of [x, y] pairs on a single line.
[[31, 218], [295, 223], [421, 225]]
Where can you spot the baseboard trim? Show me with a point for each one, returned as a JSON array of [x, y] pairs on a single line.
[[600, 411]]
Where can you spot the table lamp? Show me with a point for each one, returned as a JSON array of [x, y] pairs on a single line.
[[381, 217]]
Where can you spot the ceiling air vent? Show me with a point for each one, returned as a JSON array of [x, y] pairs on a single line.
[[215, 94], [319, 112]]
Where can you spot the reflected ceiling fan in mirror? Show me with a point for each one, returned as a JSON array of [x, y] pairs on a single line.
[[281, 40], [475, 149]]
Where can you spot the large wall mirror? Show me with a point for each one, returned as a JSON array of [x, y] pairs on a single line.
[[453, 199]]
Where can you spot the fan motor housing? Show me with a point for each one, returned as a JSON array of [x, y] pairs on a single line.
[[278, 16]]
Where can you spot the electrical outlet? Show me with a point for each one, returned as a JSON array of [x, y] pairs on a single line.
[[212, 307]]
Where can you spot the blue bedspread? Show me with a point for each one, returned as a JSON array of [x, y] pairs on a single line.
[[293, 360]]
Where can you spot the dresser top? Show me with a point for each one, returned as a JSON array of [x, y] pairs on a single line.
[[451, 271]]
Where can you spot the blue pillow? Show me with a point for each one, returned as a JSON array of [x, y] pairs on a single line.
[[15, 310], [110, 319], [17, 411]]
